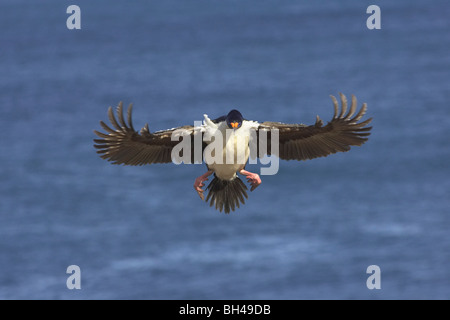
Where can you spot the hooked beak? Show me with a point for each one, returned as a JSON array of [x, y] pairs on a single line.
[[234, 124]]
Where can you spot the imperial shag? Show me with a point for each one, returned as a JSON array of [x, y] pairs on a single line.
[[123, 145]]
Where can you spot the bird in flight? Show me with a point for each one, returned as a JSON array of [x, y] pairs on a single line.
[[122, 144]]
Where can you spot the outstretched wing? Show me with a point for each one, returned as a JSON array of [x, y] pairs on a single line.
[[123, 145], [301, 142]]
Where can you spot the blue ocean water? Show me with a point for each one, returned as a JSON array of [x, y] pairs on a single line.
[[308, 232]]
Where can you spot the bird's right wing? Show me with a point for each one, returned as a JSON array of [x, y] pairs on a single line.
[[123, 145]]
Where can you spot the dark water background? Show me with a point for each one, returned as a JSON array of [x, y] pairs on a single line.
[[308, 232]]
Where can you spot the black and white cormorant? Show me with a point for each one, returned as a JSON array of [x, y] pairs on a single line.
[[122, 144]]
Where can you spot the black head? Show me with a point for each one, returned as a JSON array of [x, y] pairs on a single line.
[[234, 119]]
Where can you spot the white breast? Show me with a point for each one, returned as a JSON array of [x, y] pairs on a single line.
[[234, 147]]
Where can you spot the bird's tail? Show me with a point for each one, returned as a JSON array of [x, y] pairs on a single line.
[[226, 194]]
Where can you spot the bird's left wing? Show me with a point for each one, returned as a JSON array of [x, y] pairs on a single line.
[[123, 145], [302, 142]]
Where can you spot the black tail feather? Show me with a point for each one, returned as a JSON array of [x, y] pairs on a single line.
[[226, 194]]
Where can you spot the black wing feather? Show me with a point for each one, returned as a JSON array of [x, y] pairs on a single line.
[[302, 142], [123, 145]]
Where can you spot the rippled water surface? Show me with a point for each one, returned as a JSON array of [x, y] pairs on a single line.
[[308, 232]]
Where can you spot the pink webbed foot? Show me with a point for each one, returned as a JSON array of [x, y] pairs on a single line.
[[252, 178], [198, 184]]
